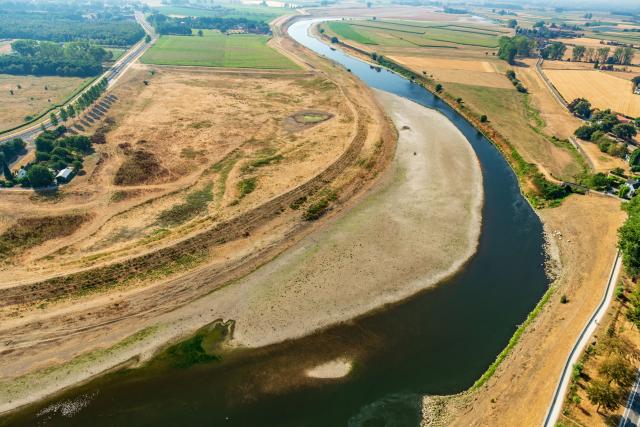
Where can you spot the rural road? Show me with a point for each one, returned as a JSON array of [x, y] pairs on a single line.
[[558, 397], [631, 416], [112, 75]]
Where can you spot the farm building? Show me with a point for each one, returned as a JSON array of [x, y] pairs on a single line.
[[64, 175]]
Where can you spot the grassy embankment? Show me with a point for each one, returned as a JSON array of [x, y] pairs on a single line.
[[215, 49]]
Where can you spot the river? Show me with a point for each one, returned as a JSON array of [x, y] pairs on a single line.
[[437, 342]]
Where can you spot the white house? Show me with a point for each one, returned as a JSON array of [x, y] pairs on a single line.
[[64, 174]]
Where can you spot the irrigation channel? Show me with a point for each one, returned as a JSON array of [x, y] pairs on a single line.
[[437, 342]]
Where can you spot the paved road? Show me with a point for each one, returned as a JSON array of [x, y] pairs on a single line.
[[578, 348], [112, 75], [631, 417]]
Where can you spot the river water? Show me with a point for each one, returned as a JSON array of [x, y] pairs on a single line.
[[438, 342]]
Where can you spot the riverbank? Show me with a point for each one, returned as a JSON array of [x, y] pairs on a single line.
[[583, 229]]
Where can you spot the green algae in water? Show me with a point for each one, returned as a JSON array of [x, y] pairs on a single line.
[[203, 347]]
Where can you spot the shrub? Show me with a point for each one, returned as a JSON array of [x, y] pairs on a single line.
[[483, 118], [438, 88], [585, 132], [316, 210], [246, 186], [564, 299]]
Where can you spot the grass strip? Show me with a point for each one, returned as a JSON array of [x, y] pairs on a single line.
[[514, 339]]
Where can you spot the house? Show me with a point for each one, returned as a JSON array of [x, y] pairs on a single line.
[[622, 119], [64, 175], [633, 185], [21, 173]]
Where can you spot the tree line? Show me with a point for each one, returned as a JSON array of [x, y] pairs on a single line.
[[64, 27], [183, 26], [41, 58]]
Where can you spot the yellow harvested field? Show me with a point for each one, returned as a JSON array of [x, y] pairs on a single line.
[[601, 89], [481, 73]]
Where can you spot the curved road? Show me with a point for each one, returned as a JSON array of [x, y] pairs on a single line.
[[561, 390], [112, 75]]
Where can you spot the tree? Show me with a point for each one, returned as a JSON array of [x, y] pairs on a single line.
[[578, 53], [63, 115], [438, 88], [624, 130], [601, 393], [54, 119], [39, 176], [585, 132], [539, 24], [617, 370], [580, 107], [629, 237], [553, 50], [512, 23], [5, 168], [602, 54], [590, 54], [147, 38], [334, 39], [627, 55], [483, 118], [43, 144], [200, 33], [71, 112]]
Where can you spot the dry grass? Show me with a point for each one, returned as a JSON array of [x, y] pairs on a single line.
[[30, 232], [601, 89], [452, 70], [32, 99]]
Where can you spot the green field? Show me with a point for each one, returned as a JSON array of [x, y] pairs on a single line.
[[217, 50], [257, 13], [414, 33]]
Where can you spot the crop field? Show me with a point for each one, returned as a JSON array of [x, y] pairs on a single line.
[[217, 50], [258, 13], [416, 33], [601, 89], [34, 96]]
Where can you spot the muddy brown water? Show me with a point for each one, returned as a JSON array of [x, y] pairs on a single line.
[[437, 342]]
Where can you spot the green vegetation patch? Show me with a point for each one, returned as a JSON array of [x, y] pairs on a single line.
[[203, 347], [347, 31], [214, 49], [247, 186], [195, 204], [30, 232]]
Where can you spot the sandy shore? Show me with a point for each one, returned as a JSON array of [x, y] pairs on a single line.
[[417, 228]]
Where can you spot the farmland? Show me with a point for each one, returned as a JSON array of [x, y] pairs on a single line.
[[411, 34], [217, 50], [601, 89], [259, 13], [35, 95]]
